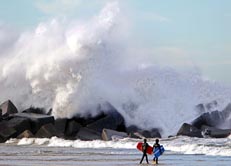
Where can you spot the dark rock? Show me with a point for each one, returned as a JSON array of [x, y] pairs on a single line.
[[20, 124], [136, 135], [189, 130], [217, 119], [50, 111], [88, 134], [47, 131], [145, 134], [107, 122], [108, 134], [60, 125], [113, 120], [72, 128], [135, 132], [88, 119], [13, 127], [26, 134], [154, 133], [7, 133], [215, 132], [207, 107], [34, 110], [8, 108], [132, 128], [212, 119], [36, 120]]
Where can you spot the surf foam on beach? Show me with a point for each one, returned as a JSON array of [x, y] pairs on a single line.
[[178, 145]]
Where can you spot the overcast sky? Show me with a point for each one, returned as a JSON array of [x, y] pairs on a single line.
[[176, 32]]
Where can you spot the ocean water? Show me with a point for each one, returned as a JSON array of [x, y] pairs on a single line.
[[180, 151]]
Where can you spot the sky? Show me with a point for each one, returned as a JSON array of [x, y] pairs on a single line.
[[177, 33]]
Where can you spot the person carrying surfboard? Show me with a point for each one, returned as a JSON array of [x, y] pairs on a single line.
[[144, 150], [156, 145]]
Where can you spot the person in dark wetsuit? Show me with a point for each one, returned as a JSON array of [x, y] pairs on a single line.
[[144, 149], [156, 145]]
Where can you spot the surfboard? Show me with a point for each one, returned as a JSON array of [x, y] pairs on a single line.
[[139, 147], [157, 152]]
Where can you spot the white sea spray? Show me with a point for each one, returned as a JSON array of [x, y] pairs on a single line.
[[74, 66]]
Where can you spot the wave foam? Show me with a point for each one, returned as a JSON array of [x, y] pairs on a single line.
[[213, 147], [72, 67], [185, 145]]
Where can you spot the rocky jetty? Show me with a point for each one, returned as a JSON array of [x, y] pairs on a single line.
[[107, 125], [34, 122], [214, 124]]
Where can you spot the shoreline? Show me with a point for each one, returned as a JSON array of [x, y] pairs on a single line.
[[42, 155]]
